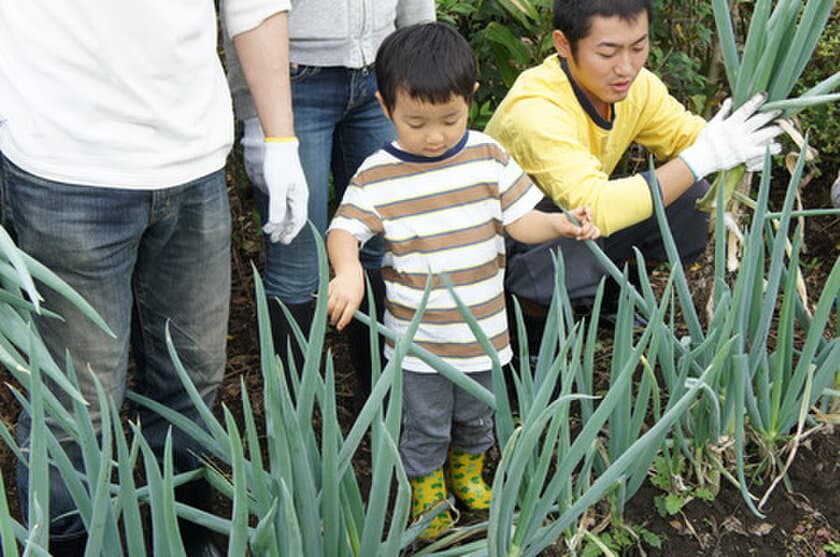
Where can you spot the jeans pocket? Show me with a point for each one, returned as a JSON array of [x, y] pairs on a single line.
[[300, 72]]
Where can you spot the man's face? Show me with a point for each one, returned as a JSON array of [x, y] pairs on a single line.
[[608, 59]]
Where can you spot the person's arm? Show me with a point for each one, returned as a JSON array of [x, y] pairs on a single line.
[[536, 227], [263, 53], [347, 288], [674, 179]]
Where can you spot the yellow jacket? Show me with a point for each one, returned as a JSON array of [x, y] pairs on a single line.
[[570, 151]]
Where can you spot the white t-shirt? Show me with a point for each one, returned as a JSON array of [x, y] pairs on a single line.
[[118, 93]]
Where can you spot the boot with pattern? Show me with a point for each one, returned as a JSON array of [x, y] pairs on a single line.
[[426, 492], [463, 477]]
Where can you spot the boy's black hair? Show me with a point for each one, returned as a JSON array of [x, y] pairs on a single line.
[[574, 17], [429, 61]]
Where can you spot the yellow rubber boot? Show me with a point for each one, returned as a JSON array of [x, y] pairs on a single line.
[[426, 492], [463, 476]]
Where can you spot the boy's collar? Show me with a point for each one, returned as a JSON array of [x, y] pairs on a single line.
[[585, 102], [391, 147]]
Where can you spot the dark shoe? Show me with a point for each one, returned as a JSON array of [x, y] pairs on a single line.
[[73, 546], [198, 542]]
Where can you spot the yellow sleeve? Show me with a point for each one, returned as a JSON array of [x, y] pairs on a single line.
[[544, 140], [666, 127]]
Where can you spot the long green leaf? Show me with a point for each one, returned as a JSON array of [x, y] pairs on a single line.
[[825, 86], [238, 540], [402, 504], [258, 478], [170, 516], [759, 50], [726, 36], [18, 260], [42, 274], [39, 471], [792, 106], [802, 46], [330, 477], [102, 529], [7, 534], [126, 461]]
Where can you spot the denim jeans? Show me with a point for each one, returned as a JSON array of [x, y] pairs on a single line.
[[142, 258], [339, 123]]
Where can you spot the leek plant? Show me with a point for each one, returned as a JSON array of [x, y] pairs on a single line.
[[780, 380], [565, 446], [295, 492], [780, 40], [771, 379], [24, 355], [552, 473], [307, 482]]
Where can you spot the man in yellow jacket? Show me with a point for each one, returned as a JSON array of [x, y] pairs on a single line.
[[569, 121]]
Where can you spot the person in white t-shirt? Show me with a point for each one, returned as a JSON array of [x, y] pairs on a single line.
[[115, 124]]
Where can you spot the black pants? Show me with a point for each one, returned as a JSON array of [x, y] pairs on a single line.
[[530, 267]]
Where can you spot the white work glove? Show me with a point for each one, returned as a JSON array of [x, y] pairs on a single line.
[[288, 193], [274, 167], [730, 140]]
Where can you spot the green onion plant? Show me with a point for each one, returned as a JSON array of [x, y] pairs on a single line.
[[779, 42]]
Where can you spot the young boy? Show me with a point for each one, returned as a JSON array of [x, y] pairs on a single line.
[[441, 197]]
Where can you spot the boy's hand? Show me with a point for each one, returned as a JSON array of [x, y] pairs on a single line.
[[346, 292], [586, 229]]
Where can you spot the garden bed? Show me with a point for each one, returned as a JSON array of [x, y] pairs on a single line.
[[804, 521]]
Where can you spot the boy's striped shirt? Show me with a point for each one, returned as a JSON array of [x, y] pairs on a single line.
[[442, 216]]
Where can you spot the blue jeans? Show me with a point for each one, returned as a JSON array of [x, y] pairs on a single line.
[[141, 258], [339, 123]]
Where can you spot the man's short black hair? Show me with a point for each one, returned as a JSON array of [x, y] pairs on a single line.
[[428, 61], [574, 17]]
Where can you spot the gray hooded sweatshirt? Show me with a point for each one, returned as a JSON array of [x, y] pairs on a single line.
[[327, 33]]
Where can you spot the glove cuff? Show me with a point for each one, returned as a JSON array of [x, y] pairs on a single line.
[[272, 139], [695, 158]]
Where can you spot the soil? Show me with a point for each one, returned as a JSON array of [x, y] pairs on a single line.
[[801, 521]]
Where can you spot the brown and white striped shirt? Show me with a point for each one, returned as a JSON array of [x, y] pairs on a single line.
[[442, 216]]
